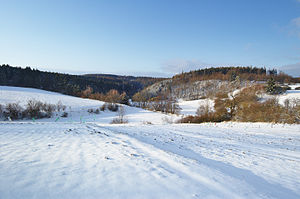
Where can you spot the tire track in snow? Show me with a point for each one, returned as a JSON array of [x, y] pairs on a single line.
[[72, 163], [257, 183]]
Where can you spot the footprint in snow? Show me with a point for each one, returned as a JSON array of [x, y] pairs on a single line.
[[114, 142]]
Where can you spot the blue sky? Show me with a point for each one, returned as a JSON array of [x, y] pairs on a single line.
[[153, 38]]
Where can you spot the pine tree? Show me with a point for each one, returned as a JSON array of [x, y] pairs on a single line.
[[271, 88]]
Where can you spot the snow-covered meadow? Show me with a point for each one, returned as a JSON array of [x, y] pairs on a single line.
[[95, 159], [77, 108]]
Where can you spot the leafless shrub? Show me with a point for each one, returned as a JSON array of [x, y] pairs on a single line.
[[147, 123], [112, 107], [168, 120], [246, 107], [33, 109], [1, 110], [95, 111], [203, 109], [103, 107], [65, 114], [59, 106], [120, 119], [211, 117], [48, 109], [13, 110]]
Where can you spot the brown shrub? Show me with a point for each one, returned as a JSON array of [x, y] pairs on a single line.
[[1, 110], [120, 119], [33, 109], [48, 109], [213, 117], [246, 107], [112, 107], [13, 110]]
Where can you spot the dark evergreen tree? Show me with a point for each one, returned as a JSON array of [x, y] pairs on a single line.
[[271, 87]]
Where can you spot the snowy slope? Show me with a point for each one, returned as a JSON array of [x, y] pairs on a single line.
[[73, 160], [190, 107], [93, 159], [77, 107], [291, 95], [9, 94]]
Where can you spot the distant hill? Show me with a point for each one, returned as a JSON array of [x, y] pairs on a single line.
[[72, 84], [208, 82], [140, 81], [191, 85]]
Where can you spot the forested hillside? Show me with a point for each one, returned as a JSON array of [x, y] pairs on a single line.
[[208, 82], [71, 84], [231, 74]]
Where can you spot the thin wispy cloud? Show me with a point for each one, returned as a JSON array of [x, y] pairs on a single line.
[[250, 46], [294, 27], [296, 22], [182, 65], [292, 69]]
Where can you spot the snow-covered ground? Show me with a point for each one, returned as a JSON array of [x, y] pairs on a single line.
[[190, 107], [95, 159], [89, 160], [77, 108], [292, 95]]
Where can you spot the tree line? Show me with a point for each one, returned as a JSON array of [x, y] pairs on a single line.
[[232, 73], [71, 84]]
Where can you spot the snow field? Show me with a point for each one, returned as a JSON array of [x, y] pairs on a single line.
[[77, 107], [75, 160], [83, 156]]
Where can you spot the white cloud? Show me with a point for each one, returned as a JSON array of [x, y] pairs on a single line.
[[296, 21], [291, 69], [179, 65], [294, 27]]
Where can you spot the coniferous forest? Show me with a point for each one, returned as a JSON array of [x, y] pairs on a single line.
[[71, 84]]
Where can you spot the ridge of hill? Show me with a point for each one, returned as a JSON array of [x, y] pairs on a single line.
[[71, 84], [208, 82]]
